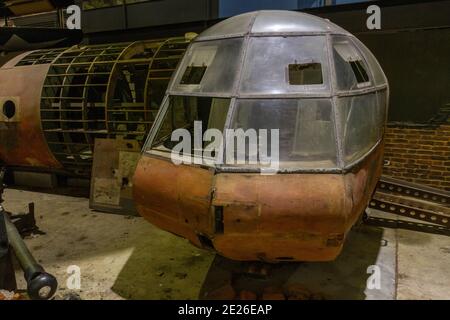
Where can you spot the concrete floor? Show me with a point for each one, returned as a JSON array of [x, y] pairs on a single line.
[[127, 258]]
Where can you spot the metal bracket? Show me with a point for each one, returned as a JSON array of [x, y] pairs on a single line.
[[26, 222]]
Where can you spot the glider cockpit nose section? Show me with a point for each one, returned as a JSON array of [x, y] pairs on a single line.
[[266, 119]]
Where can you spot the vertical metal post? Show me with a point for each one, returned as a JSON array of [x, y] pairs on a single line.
[[7, 275], [61, 20], [40, 284]]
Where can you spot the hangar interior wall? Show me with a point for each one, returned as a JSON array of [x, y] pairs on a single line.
[[417, 64]]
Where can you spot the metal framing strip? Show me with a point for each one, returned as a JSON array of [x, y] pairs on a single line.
[[412, 201], [391, 204], [410, 189]]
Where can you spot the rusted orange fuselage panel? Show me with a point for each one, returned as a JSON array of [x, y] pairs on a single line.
[[22, 142], [283, 217]]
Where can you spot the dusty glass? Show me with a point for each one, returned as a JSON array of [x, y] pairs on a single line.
[[305, 126], [268, 59]]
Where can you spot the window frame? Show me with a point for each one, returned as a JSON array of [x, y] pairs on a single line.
[[359, 85], [333, 95], [149, 148], [175, 86], [323, 89]]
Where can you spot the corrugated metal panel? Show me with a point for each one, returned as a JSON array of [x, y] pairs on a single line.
[[44, 20], [148, 14], [22, 7], [40, 20]]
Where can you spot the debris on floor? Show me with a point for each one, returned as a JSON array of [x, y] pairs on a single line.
[[11, 295]]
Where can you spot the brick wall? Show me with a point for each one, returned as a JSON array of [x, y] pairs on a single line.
[[419, 154]]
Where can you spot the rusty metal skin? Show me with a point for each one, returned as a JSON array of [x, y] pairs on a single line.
[[22, 142], [180, 204], [361, 182], [283, 217], [279, 218]]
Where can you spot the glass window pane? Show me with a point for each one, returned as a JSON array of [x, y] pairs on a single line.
[[360, 120], [377, 72], [306, 130], [351, 69], [211, 66], [183, 112], [382, 110], [269, 62]]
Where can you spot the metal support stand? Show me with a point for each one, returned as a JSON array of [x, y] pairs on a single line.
[[40, 284], [7, 275]]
